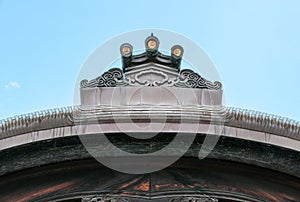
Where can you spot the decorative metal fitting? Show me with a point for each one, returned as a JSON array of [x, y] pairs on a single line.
[[152, 44], [126, 50], [177, 52]]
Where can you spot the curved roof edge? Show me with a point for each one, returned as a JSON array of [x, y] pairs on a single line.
[[240, 118]]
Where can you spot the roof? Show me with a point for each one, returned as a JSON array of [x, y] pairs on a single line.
[[59, 117]]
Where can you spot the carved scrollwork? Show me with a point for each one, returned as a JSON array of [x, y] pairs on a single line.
[[111, 78], [163, 81], [190, 79], [193, 199], [103, 199], [186, 79]]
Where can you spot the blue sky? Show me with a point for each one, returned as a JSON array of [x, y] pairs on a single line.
[[255, 46]]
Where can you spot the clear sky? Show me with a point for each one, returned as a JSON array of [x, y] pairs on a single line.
[[254, 44]]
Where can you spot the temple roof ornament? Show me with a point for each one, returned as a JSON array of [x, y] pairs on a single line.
[[151, 68], [151, 55]]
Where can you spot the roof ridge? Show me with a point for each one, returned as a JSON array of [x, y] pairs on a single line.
[[63, 116]]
